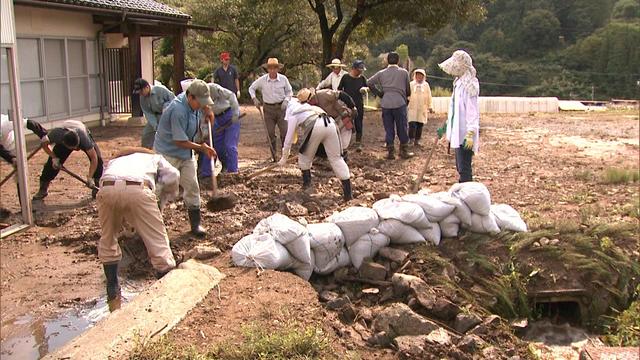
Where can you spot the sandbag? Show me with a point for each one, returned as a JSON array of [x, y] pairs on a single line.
[[327, 241], [508, 218], [435, 209], [340, 261], [433, 235], [484, 224], [407, 212], [450, 226], [304, 270], [475, 195], [367, 246], [300, 249], [283, 229], [261, 251], [355, 222], [461, 210], [399, 232]]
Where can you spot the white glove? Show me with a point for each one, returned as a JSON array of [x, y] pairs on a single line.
[[55, 162], [238, 94], [363, 90], [91, 183]]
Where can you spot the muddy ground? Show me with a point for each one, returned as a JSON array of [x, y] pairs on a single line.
[[548, 166]]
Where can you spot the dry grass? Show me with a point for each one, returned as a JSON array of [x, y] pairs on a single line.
[[616, 176]]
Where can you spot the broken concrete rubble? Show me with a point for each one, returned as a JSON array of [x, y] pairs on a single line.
[[398, 319], [373, 271]]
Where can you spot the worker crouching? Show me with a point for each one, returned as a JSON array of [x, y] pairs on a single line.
[[317, 128], [128, 192]]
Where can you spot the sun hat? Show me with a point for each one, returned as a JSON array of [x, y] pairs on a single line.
[[272, 62], [336, 63], [305, 94]]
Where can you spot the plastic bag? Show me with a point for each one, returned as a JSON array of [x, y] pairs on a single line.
[[355, 222], [461, 210], [508, 218], [450, 226], [407, 212], [484, 224], [283, 229], [475, 195], [326, 241], [399, 232], [367, 246], [435, 209], [433, 235], [340, 261], [261, 251]]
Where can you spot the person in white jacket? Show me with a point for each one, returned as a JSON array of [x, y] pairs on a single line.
[[333, 79], [420, 104], [463, 120]]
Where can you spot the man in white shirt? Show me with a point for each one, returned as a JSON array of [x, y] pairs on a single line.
[[317, 128], [333, 79], [276, 92], [128, 190]]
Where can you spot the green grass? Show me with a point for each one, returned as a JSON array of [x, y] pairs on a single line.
[[440, 92], [619, 176], [289, 342], [625, 328]]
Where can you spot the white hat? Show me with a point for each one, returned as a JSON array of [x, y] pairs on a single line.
[[420, 71], [336, 63]]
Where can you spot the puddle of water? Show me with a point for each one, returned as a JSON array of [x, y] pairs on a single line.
[[30, 338]]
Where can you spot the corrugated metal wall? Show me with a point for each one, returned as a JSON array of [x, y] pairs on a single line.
[[506, 105], [7, 25]]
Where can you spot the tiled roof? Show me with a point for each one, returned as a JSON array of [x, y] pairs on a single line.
[[135, 6]]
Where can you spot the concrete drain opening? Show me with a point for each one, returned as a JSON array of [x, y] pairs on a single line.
[[560, 306]]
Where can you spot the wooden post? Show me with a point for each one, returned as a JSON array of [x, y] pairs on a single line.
[[178, 59], [136, 67]]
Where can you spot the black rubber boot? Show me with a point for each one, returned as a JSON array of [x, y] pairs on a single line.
[[306, 179], [391, 152], [113, 287], [346, 190], [43, 191], [194, 220], [345, 155], [404, 152]]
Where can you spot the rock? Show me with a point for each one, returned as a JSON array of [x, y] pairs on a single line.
[[380, 195], [295, 209], [410, 347], [373, 271], [492, 320], [398, 319], [486, 325], [338, 303], [491, 353], [202, 252], [373, 176], [554, 242], [392, 254], [327, 296], [439, 336], [536, 244], [387, 294], [312, 207], [544, 241], [443, 308], [347, 313], [365, 314], [471, 343], [403, 283], [464, 322], [380, 339]]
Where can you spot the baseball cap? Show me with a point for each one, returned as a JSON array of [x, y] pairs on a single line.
[[359, 64], [200, 90], [139, 84], [225, 55]]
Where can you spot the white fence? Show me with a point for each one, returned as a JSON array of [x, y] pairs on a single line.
[[505, 105]]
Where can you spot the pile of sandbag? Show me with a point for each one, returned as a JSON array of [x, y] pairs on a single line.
[[348, 237]]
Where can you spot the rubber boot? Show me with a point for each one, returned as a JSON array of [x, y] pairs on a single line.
[[346, 190], [391, 152], [306, 179], [43, 191], [358, 142], [416, 143], [345, 155], [273, 151], [194, 220], [113, 288], [404, 152]]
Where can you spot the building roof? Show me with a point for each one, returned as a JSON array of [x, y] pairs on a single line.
[[149, 7]]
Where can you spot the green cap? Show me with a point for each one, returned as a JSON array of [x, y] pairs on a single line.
[[200, 90]]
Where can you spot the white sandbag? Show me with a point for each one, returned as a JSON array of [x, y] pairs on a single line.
[[261, 251], [461, 210], [475, 195], [304, 270], [327, 241], [340, 261], [435, 209], [508, 218], [407, 212], [367, 246], [355, 222], [484, 224], [399, 232], [300, 249], [283, 229], [450, 226], [433, 235]]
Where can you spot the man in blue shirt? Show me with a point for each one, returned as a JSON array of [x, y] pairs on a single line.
[[227, 75], [153, 100], [176, 141]]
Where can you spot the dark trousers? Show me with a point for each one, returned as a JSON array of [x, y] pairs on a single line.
[[395, 120], [463, 164], [415, 130], [358, 122], [62, 152]]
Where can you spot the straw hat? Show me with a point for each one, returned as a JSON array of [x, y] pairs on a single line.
[[336, 63], [305, 94], [272, 62]]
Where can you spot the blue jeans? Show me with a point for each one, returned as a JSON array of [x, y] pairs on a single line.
[[395, 120], [463, 164], [225, 141]]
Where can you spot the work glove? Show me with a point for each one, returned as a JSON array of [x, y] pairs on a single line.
[[55, 163], [468, 140], [256, 102], [91, 183], [14, 162], [238, 94], [284, 105], [442, 130], [235, 118], [363, 90], [431, 111]]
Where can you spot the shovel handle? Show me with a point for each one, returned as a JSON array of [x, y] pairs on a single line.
[[416, 184], [269, 168], [35, 151], [214, 181], [76, 176]]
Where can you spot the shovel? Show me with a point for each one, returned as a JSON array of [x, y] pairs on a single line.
[[416, 184], [14, 170], [269, 168], [76, 176], [218, 202]]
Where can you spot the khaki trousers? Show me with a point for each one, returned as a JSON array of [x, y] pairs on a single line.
[[326, 135], [274, 116], [139, 206], [188, 180]]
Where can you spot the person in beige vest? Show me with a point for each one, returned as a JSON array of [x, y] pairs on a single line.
[[420, 104]]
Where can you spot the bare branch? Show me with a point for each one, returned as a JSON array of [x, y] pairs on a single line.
[[336, 24]]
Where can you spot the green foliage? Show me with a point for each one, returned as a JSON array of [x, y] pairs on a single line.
[[626, 10], [620, 176], [538, 33], [625, 330]]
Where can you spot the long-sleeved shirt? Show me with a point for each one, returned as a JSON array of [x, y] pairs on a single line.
[[153, 104], [274, 91], [295, 115], [331, 81], [152, 169], [223, 99], [352, 85], [394, 82], [464, 116], [420, 102], [7, 140]]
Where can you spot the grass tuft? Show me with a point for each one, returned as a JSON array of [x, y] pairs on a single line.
[[625, 329], [620, 176]]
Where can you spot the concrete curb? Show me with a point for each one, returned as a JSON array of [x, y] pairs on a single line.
[[152, 313]]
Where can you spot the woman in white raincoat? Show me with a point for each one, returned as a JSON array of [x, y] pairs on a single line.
[[463, 121], [420, 104]]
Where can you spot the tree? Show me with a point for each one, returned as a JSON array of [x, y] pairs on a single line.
[[626, 9], [339, 18]]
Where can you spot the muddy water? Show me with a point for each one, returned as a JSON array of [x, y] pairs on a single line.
[[27, 338]]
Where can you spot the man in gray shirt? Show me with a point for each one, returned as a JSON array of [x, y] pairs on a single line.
[[392, 84], [153, 100]]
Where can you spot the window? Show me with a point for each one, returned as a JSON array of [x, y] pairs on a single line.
[[59, 77]]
